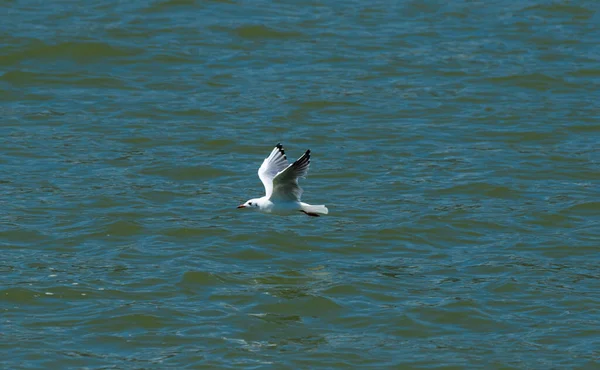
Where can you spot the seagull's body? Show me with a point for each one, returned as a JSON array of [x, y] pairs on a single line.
[[282, 192]]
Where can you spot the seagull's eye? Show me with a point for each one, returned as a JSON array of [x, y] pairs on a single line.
[[250, 203]]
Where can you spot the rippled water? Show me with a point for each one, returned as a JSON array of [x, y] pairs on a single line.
[[456, 146]]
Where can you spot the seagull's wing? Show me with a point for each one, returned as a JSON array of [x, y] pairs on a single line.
[[285, 183], [271, 166]]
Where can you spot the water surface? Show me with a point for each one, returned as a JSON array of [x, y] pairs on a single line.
[[456, 146]]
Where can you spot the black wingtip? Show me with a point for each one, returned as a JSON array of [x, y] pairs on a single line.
[[280, 148], [306, 156]]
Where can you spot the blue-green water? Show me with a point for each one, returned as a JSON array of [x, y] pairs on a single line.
[[456, 146]]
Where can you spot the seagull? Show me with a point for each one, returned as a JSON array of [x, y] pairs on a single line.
[[281, 186]]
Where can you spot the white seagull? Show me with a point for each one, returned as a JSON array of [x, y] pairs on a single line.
[[281, 186]]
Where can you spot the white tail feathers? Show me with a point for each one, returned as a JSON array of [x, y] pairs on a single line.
[[321, 209]]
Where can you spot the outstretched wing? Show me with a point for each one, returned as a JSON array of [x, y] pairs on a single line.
[[285, 183], [271, 166]]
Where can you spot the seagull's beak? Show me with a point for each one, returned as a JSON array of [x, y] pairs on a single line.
[[241, 206]]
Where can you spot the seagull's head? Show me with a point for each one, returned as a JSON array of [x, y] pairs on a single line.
[[252, 203]]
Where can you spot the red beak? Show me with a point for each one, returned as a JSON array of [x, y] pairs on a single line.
[[241, 206]]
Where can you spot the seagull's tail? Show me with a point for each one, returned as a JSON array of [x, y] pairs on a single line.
[[320, 209]]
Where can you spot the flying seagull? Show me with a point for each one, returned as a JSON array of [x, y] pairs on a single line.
[[281, 186]]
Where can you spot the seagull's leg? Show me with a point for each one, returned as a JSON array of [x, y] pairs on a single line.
[[310, 214]]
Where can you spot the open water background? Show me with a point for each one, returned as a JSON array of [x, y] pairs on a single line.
[[456, 145]]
